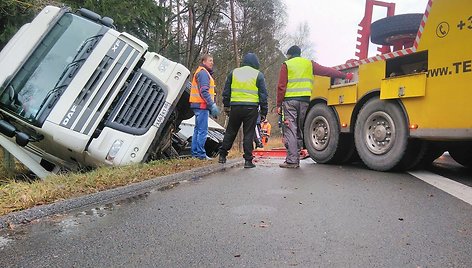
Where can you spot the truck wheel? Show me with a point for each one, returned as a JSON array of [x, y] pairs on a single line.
[[346, 152], [414, 154], [433, 151], [321, 134], [381, 134], [389, 29], [462, 155]]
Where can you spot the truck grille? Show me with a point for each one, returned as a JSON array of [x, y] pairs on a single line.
[[139, 106], [93, 101]]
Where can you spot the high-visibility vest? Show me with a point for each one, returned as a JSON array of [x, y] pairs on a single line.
[[300, 77], [266, 128], [244, 85], [195, 96]]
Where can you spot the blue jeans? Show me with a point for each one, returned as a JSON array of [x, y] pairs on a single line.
[[200, 133]]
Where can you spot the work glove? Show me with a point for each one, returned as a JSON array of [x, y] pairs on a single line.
[[214, 111], [227, 110], [349, 76]]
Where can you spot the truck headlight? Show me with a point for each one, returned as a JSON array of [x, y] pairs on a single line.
[[163, 66], [114, 149]]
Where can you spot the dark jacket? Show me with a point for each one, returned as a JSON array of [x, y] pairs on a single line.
[[249, 59]]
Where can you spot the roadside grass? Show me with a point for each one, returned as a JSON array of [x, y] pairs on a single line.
[[21, 193], [18, 195]]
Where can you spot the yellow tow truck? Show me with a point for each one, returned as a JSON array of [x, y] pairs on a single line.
[[404, 108]]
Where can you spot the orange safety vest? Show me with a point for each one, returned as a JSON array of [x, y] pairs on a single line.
[[195, 96], [266, 128]]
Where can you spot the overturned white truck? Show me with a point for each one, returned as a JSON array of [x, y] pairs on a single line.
[[74, 93]]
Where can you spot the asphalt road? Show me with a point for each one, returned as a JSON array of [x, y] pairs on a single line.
[[315, 216]]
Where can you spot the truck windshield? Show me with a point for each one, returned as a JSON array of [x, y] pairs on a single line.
[[33, 84]]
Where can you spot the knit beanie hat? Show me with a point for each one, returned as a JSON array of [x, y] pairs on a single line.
[[294, 51]]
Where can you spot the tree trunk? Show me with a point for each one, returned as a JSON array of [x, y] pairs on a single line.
[[190, 39], [178, 30], [239, 137], [233, 31]]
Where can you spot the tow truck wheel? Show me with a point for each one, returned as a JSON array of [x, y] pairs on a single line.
[[347, 150], [321, 134], [462, 155], [414, 155], [381, 134]]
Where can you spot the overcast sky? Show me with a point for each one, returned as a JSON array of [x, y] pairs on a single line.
[[334, 24]]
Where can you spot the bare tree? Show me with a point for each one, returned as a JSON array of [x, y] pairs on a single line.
[[233, 32], [300, 38]]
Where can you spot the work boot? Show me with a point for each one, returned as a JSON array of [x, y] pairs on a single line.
[[249, 164], [222, 159], [289, 165]]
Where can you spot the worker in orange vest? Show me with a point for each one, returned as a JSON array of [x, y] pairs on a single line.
[[265, 131], [202, 102]]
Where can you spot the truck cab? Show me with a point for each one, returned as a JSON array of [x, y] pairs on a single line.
[[75, 92]]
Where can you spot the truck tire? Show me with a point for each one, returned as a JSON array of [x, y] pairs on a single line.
[[385, 30], [321, 134], [462, 155], [414, 154], [346, 149], [381, 134], [433, 151]]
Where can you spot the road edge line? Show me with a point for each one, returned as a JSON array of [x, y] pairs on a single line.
[[456, 189]]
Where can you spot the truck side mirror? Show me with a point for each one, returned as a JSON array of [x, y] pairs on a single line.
[[7, 129]]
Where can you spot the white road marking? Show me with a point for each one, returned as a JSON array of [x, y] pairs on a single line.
[[459, 190]]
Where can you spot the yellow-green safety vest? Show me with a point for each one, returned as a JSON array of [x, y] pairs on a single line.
[[244, 85], [300, 77]]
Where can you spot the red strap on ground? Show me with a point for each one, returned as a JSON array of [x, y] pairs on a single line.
[[277, 153]]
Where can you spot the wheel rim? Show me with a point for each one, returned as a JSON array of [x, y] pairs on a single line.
[[379, 130], [320, 133]]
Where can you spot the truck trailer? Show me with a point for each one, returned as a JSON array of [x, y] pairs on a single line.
[[76, 93], [404, 108]]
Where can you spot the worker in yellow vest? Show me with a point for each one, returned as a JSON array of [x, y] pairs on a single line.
[[202, 102], [293, 97], [244, 94]]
